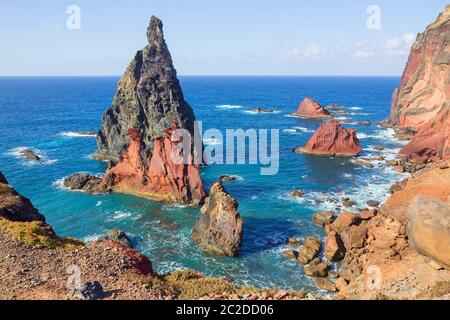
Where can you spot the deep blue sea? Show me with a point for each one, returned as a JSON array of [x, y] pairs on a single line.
[[41, 113]]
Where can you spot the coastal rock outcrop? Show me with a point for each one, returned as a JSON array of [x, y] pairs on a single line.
[[429, 228], [159, 178], [219, 229], [432, 142], [85, 182], [422, 101], [332, 140], [136, 132], [309, 108], [15, 207], [425, 86]]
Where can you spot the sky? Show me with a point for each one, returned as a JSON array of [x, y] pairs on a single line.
[[211, 37]]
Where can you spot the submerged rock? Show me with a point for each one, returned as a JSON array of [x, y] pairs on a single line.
[[309, 108], [219, 229], [332, 140], [139, 130], [15, 207], [30, 155], [260, 110]]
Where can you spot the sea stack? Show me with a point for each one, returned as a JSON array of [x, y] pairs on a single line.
[[423, 99], [219, 229], [332, 140], [309, 108], [137, 131]]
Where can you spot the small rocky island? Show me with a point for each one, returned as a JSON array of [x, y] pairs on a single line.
[[219, 229], [309, 108], [332, 140]]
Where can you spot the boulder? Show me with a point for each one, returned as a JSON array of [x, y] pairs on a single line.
[[309, 251], [334, 247], [298, 194], [373, 203], [85, 182], [429, 228], [316, 269], [332, 140], [118, 236], [290, 254], [219, 229], [88, 291], [325, 284], [227, 179], [324, 218], [309, 108], [30, 155], [363, 163], [354, 237], [343, 221]]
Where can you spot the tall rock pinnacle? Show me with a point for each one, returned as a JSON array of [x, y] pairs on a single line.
[[149, 98], [136, 131]]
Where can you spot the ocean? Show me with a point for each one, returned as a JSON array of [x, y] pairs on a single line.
[[44, 113]]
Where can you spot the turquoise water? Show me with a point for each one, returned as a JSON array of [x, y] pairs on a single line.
[[40, 113]]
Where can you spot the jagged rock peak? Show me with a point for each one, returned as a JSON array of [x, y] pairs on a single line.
[[155, 33], [149, 98]]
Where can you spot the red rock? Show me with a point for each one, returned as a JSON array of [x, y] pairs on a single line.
[[400, 169], [332, 140], [432, 142], [309, 108], [134, 260], [422, 100], [334, 248], [163, 180], [425, 85]]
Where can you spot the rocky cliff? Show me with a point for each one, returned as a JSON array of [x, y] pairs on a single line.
[[219, 229], [309, 108], [425, 86], [15, 207], [332, 140], [423, 99], [135, 132]]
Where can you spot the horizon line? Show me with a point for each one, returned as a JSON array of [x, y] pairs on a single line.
[[202, 75]]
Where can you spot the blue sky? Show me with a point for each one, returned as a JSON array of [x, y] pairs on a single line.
[[207, 37]]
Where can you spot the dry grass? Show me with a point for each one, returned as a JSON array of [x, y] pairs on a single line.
[[38, 235]]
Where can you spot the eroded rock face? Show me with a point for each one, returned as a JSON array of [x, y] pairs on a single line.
[[332, 140], [219, 229], [429, 228], [137, 130], [14, 207], [309, 108], [425, 86], [432, 142], [423, 99], [160, 177]]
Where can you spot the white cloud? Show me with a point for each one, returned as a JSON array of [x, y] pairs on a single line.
[[399, 46]]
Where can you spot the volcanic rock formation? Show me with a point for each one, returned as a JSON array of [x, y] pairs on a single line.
[[219, 228], [14, 207], [309, 108], [332, 140], [136, 130], [423, 99]]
